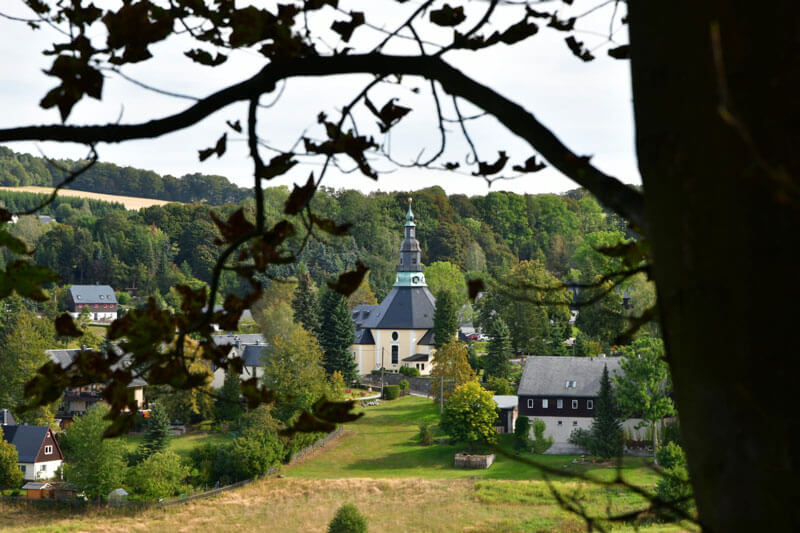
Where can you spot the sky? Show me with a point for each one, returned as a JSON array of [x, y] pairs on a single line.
[[587, 105]]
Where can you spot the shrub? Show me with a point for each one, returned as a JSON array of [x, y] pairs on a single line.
[[123, 298], [348, 520], [160, 475], [540, 443], [404, 386], [425, 434], [391, 392], [674, 489], [409, 371], [498, 385], [582, 438], [670, 456], [522, 430], [671, 433]]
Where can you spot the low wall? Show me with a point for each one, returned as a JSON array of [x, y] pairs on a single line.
[[464, 460]]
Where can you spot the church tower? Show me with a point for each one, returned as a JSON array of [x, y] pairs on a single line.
[[399, 331]]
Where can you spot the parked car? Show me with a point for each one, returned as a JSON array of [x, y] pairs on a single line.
[[473, 336]]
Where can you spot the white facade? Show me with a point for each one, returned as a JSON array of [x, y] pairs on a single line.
[[561, 427], [99, 316], [403, 342], [247, 373], [38, 471]]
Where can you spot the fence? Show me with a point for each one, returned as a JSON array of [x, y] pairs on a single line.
[[139, 505]]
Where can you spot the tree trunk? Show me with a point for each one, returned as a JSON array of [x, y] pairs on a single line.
[[723, 206]]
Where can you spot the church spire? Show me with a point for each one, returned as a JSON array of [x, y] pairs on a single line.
[[409, 271]]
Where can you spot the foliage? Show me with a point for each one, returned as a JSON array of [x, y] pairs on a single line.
[[445, 321], [294, 371], [409, 371], [391, 392], [123, 297], [675, 489], [445, 276], [540, 443], [156, 436], [253, 454], [348, 520], [670, 455], [581, 438], [606, 432], [496, 361], [522, 434], [337, 334], [93, 464], [10, 474], [450, 370], [363, 295], [470, 414], [161, 475], [228, 407], [644, 387], [425, 435], [500, 386]]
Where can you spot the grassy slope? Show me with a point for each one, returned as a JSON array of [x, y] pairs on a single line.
[[398, 486]]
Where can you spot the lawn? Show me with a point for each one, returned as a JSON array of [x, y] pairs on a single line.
[[182, 445]]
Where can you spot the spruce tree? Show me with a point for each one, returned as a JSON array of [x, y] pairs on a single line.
[[305, 303], [156, 436], [337, 334], [606, 432], [228, 407], [445, 321], [495, 363]]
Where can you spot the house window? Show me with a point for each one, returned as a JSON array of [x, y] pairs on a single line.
[[560, 404], [574, 404], [544, 404], [43, 468], [22, 468], [590, 404], [395, 354], [422, 366], [395, 336], [530, 403], [560, 423], [574, 423], [48, 450]]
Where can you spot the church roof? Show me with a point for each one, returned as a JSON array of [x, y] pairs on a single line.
[[364, 336], [429, 339], [416, 357], [403, 308]]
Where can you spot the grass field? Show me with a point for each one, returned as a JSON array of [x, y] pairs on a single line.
[[182, 445], [397, 484], [130, 202]]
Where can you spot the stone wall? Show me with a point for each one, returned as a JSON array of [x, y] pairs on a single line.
[[464, 460]]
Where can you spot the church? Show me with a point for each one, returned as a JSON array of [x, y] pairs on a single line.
[[399, 331]]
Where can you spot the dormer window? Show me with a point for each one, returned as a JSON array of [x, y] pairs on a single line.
[[48, 450]]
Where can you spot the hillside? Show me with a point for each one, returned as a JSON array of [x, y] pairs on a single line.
[[130, 202]]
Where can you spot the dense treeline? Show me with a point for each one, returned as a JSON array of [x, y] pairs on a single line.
[[18, 170]]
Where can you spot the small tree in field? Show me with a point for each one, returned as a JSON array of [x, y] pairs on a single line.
[[540, 443], [522, 437], [470, 414], [10, 474], [348, 520], [606, 432]]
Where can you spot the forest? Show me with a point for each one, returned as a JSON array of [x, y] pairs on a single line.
[[510, 241]]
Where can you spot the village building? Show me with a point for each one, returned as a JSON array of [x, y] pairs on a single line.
[[399, 331], [38, 454], [562, 391], [97, 300], [251, 348]]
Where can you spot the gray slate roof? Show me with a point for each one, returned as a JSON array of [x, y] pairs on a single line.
[[92, 294], [416, 357], [361, 314], [429, 339], [546, 375], [64, 358], [404, 308], [6, 418], [254, 354], [26, 439], [505, 401], [364, 336]]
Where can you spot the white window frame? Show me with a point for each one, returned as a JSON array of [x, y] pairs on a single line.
[[544, 403], [530, 403], [574, 404], [559, 404], [48, 450], [590, 404]]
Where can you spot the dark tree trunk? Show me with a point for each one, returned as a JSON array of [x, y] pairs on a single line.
[[723, 205]]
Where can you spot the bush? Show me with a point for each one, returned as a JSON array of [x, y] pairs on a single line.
[[391, 392], [522, 438], [674, 489], [670, 456], [425, 435], [123, 298], [582, 438], [500, 386], [404, 386], [409, 371], [348, 520], [671, 433], [540, 443], [160, 475]]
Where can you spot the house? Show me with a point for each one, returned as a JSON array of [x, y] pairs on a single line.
[[562, 391], [77, 401], [38, 453], [244, 321], [399, 331], [98, 300], [251, 348], [507, 412]]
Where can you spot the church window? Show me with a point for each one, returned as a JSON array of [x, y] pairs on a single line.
[[395, 336], [395, 354], [413, 260]]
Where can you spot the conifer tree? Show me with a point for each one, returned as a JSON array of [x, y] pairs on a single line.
[[445, 321], [228, 406], [156, 436], [305, 303], [606, 432], [337, 334], [496, 363]]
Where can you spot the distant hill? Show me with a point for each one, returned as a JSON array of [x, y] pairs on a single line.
[[130, 202], [20, 170]]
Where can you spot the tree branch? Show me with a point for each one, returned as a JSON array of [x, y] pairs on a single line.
[[624, 200]]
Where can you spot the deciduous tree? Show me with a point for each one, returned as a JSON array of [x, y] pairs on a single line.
[[10, 474], [450, 370], [470, 414]]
